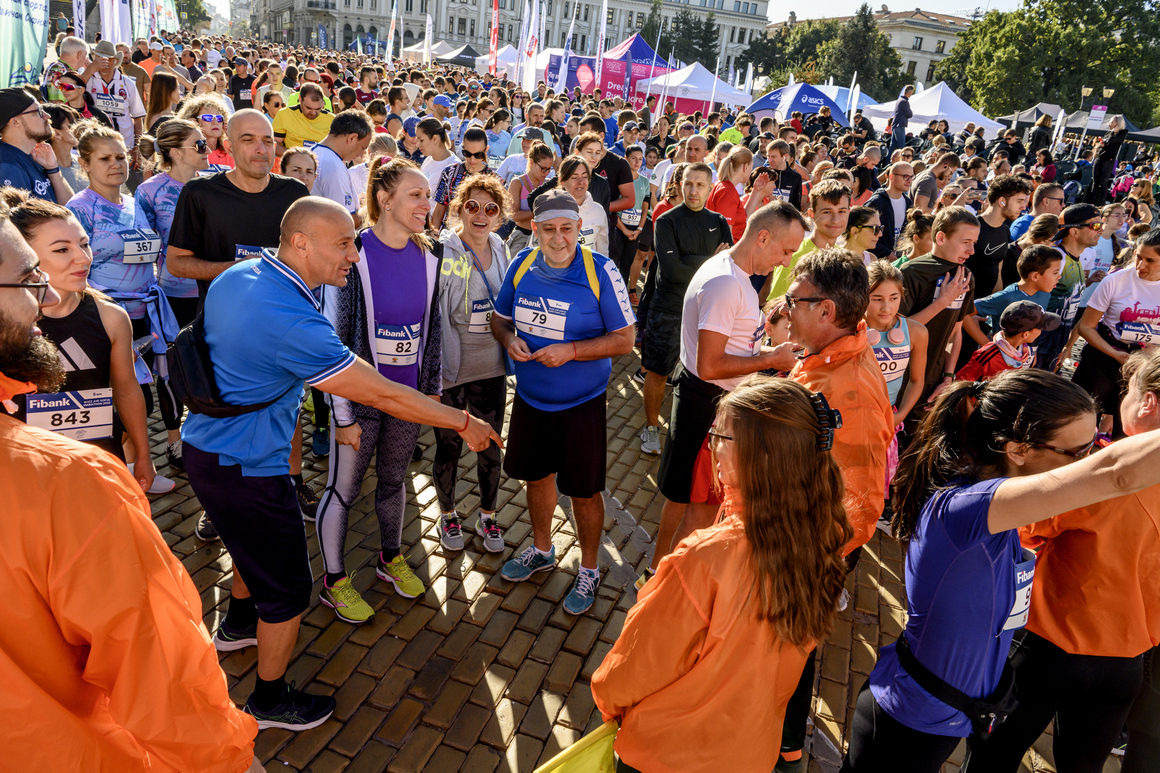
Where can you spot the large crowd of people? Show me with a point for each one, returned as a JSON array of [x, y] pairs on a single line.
[[928, 336]]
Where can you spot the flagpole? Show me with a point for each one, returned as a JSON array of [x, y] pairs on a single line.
[[600, 45], [713, 93], [652, 68], [562, 77]]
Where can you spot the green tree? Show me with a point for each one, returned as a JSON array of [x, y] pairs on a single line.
[[685, 37], [790, 49], [1048, 50], [861, 48], [708, 41], [652, 25]]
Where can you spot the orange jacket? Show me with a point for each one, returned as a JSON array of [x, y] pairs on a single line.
[[847, 373], [1097, 579], [104, 661], [696, 681]]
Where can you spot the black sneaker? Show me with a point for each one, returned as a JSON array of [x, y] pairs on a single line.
[[417, 454], [205, 530], [226, 639], [173, 456], [638, 376], [296, 711], [307, 501]]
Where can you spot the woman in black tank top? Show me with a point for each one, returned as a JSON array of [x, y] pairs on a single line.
[[95, 339]]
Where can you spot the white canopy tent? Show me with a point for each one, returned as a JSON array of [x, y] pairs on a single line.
[[415, 53], [505, 61], [937, 102], [696, 83]]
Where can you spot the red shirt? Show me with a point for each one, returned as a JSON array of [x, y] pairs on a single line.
[[986, 363], [365, 96], [725, 200]]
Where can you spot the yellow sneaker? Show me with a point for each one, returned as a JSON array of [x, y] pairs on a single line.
[[346, 602], [398, 573]]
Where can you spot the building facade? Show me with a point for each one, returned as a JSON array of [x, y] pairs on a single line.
[[921, 38], [462, 22]]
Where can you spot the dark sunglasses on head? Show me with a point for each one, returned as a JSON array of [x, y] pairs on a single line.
[[472, 207], [481, 156], [212, 118]]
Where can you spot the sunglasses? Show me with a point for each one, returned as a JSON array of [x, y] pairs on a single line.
[[67, 87], [876, 228], [1079, 453], [481, 156], [791, 301], [472, 207], [201, 146], [212, 118]]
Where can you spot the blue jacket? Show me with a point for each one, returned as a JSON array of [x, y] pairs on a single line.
[[902, 113]]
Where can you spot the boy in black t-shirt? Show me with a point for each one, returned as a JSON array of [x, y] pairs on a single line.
[[940, 293], [241, 86]]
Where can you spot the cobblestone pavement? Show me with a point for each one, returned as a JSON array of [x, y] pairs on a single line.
[[483, 675]]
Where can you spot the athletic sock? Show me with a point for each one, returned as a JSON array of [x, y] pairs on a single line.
[[387, 555], [242, 615], [267, 695], [332, 578], [544, 553]]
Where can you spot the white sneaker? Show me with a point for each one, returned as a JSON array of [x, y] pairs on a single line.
[[161, 484], [650, 440]]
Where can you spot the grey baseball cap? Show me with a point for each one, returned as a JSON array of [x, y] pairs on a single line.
[[553, 204]]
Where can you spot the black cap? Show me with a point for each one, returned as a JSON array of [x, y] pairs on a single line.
[[13, 102], [1076, 214], [1022, 316]]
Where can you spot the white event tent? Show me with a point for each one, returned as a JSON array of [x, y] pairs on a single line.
[[505, 61], [936, 102], [695, 83], [415, 53]]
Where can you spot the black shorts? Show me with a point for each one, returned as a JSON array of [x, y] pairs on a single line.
[[660, 346], [694, 408], [261, 526], [570, 443]]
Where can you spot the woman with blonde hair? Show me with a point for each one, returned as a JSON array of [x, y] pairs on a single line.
[[210, 114], [1141, 191], [759, 587], [474, 263], [387, 313]]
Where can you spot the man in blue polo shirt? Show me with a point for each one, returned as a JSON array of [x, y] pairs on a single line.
[[239, 466], [562, 314], [26, 159]]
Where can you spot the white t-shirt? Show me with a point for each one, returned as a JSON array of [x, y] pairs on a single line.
[[1098, 258], [120, 100], [660, 176], [433, 169], [1125, 298], [721, 298], [899, 206], [333, 181], [512, 167], [358, 178]]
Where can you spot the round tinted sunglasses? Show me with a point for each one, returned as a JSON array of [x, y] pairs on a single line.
[[472, 207]]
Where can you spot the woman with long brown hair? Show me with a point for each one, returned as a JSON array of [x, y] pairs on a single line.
[[711, 653], [387, 313], [163, 98]]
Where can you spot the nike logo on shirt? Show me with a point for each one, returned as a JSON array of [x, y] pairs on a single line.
[[989, 251]]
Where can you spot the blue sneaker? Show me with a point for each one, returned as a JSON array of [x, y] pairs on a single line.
[[528, 563], [320, 443], [582, 593]]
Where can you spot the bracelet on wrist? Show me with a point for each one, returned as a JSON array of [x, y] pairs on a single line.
[[575, 352], [467, 421], [951, 376], [52, 171]]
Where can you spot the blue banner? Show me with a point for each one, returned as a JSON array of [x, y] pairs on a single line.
[[322, 36]]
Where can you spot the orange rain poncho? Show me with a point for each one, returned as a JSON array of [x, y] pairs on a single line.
[[847, 373], [104, 661]]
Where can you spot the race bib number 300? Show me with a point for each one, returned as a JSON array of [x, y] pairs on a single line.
[[397, 344], [541, 317], [84, 415]]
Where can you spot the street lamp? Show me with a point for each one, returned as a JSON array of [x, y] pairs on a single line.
[[1108, 94], [1085, 92]]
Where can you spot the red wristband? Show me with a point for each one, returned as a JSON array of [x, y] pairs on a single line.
[[575, 354], [467, 423]]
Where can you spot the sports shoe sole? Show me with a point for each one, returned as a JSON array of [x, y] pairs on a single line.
[[488, 548], [388, 578], [545, 568], [338, 611], [224, 645], [264, 724]]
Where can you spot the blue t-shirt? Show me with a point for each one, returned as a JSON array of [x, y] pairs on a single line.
[[556, 305], [123, 242], [18, 170], [266, 335], [995, 304], [611, 132], [1020, 225], [399, 294], [961, 599], [157, 198]]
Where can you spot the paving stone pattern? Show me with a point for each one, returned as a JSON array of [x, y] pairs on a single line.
[[482, 675]]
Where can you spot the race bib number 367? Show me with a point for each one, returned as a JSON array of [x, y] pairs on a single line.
[[84, 415], [541, 316]]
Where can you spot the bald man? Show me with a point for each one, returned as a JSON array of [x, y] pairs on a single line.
[[239, 467]]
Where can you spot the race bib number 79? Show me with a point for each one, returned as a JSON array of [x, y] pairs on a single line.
[[543, 317]]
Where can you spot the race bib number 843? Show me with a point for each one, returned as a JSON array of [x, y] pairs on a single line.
[[84, 415]]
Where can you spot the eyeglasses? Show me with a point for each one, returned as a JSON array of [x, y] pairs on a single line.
[[545, 169], [39, 289], [482, 156], [876, 228], [902, 176], [791, 301], [201, 146], [1057, 199], [472, 207], [719, 435], [35, 109], [1079, 453], [212, 118]]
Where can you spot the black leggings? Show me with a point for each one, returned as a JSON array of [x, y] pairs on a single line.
[[321, 409], [879, 743], [184, 310], [1099, 375], [1088, 695], [650, 283], [1144, 720], [486, 399]]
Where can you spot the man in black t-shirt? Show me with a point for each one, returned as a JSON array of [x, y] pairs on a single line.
[[1006, 199], [232, 216], [241, 86], [940, 293]]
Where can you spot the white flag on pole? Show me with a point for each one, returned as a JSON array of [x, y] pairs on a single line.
[[523, 44], [562, 76], [430, 33], [748, 79], [528, 81], [600, 42]]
